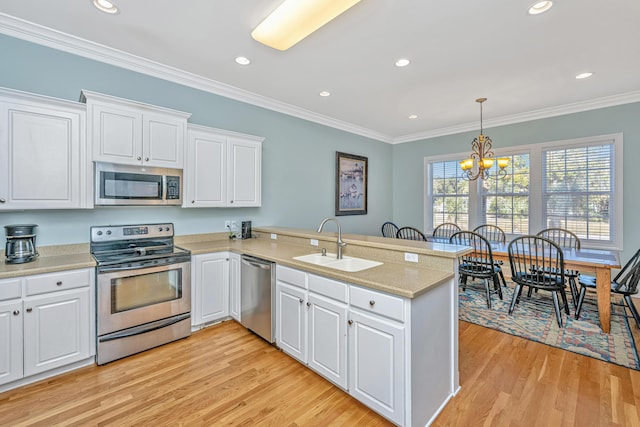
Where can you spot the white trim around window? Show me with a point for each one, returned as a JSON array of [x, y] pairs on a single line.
[[536, 208]]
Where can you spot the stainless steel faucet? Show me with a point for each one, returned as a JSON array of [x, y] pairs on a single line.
[[340, 243]]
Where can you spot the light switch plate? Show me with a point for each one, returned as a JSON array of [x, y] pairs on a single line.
[[408, 256], [274, 236], [314, 242]]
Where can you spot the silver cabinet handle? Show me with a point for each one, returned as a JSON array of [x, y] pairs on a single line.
[[193, 201], [59, 283], [139, 157], [350, 322], [16, 312], [308, 304], [146, 159], [372, 303], [29, 310], [3, 200], [231, 201], [301, 300]]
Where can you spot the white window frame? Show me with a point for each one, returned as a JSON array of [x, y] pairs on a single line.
[[536, 221]]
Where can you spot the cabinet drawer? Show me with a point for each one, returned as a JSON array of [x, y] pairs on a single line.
[[329, 288], [291, 276], [376, 302], [10, 289], [57, 281]]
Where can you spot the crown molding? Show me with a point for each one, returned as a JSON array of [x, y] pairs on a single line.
[[577, 107], [54, 39]]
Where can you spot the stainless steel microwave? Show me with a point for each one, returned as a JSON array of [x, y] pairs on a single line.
[[137, 185]]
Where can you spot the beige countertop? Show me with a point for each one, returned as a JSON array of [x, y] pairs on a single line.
[[399, 278]]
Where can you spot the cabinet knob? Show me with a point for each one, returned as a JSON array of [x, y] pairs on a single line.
[[231, 201], [59, 283], [350, 322], [372, 303], [308, 304], [146, 159], [29, 310], [193, 201], [3, 200], [301, 300], [139, 157], [16, 312]]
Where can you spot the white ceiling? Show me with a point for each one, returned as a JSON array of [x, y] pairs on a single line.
[[459, 51]]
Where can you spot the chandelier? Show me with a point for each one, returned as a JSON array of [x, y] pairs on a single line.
[[482, 159]]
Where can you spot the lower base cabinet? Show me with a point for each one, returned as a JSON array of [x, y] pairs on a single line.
[[210, 288], [50, 327], [234, 286]]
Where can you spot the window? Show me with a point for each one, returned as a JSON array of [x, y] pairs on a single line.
[[577, 190], [505, 199], [450, 194], [574, 184]]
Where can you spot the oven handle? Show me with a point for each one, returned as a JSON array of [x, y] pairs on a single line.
[[108, 269], [143, 329]]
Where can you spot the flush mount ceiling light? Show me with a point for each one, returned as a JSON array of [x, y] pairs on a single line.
[[540, 7], [481, 160], [585, 75], [294, 20], [242, 60], [106, 6], [413, 116], [402, 62], [324, 93]]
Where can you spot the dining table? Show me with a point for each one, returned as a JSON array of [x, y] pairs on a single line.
[[597, 262]]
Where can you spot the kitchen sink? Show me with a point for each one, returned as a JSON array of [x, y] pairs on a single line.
[[349, 264]]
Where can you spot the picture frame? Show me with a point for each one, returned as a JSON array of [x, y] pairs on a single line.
[[351, 184]]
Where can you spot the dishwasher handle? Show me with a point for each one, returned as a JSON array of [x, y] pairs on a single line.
[[257, 262]]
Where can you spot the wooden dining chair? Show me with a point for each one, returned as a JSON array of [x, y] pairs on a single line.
[[410, 233], [478, 264], [625, 283], [389, 229], [493, 234], [538, 263], [569, 240], [446, 230]]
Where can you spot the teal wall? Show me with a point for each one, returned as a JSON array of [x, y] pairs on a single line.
[[408, 159], [298, 155]]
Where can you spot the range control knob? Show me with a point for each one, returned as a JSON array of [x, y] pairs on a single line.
[[99, 233], [159, 228], [108, 232], [166, 229]]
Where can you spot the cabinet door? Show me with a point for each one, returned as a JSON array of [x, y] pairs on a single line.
[[376, 364], [56, 330], [116, 132], [291, 321], [163, 140], [234, 286], [10, 341], [211, 285], [244, 186], [42, 157], [205, 180], [328, 339]]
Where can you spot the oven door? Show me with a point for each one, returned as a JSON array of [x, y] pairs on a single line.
[[131, 297]]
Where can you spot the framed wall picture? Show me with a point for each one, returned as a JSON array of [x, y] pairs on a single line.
[[351, 184]]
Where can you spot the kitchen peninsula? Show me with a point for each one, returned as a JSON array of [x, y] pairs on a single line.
[[399, 323]]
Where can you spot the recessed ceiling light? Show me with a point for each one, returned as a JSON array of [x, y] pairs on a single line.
[[106, 6], [325, 93], [585, 75], [242, 60], [540, 7], [402, 62], [413, 116]]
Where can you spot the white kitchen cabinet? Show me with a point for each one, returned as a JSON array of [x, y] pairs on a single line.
[[56, 330], [223, 168], [133, 133], [44, 162], [291, 320], [210, 288], [49, 323], [10, 340], [234, 286]]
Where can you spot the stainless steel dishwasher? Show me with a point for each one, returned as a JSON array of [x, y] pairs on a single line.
[[257, 296]]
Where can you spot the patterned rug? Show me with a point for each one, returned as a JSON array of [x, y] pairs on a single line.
[[534, 318]]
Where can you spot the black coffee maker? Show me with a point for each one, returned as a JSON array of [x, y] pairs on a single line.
[[21, 243]]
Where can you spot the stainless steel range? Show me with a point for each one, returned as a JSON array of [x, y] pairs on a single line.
[[143, 289]]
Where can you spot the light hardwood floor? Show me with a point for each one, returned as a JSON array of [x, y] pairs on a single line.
[[224, 375]]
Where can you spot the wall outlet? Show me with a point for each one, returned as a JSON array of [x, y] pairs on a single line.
[[274, 236], [408, 256], [234, 225], [314, 242], [227, 224]]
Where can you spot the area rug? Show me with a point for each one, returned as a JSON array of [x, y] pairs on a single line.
[[534, 319]]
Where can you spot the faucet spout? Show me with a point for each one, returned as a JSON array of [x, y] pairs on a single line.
[[340, 244]]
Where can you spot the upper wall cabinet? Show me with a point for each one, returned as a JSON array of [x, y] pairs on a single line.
[[133, 133], [223, 168], [44, 162]]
